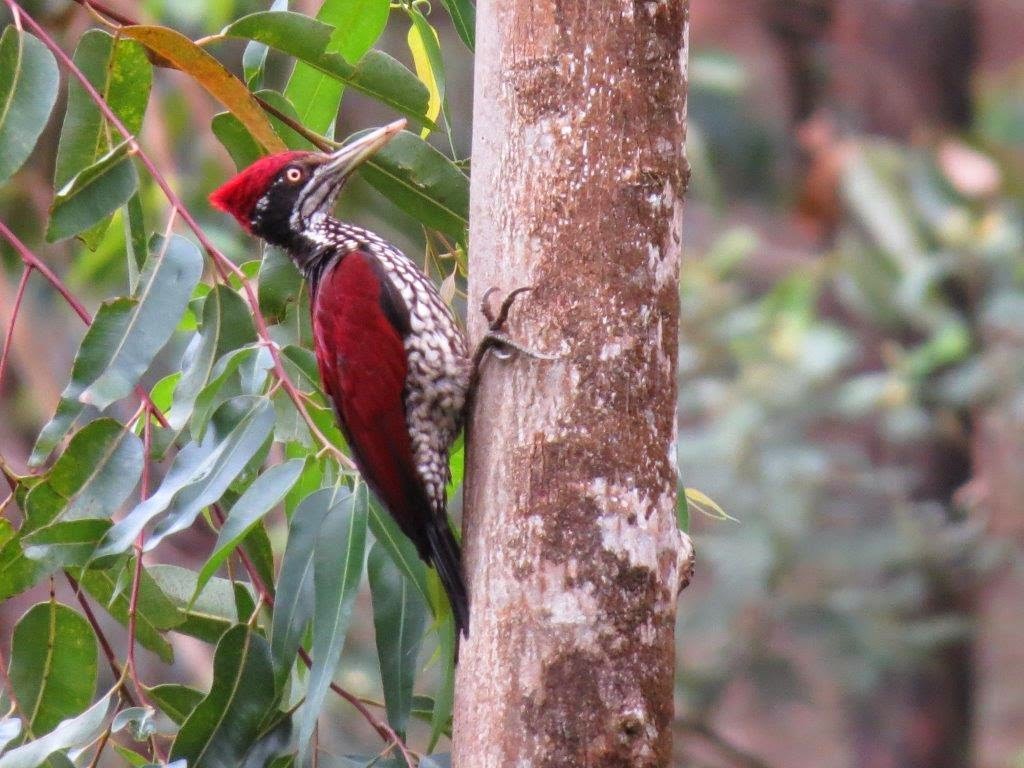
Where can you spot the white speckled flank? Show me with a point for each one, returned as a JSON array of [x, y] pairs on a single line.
[[436, 352]]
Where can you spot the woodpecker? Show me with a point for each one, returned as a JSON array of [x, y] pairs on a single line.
[[392, 358]]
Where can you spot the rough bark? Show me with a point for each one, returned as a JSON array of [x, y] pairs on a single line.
[[571, 548]]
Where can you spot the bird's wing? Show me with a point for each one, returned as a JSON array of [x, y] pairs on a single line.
[[357, 324]]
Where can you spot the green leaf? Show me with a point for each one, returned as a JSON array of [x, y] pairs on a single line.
[[399, 618], [211, 74], [266, 492], [136, 245], [93, 195], [337, 570], [92, 478], [463, 14], [75, 732], [444, 700], [254, 57], [66, 507], [122, 74], [65, 543], [125, 335], [53, 665], [156, 613], [357, 26], [165, 288], [240, 144], [28, 91], [227, 325], [279, 285], [293, 606], [199, 476], [376, 74], [422, 182], [175, 701], [218, 391], [225, 724], [400, 548], [209, 612]]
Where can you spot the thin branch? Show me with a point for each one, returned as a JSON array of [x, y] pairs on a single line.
[[26, 273], [9, 687], [110, 13]]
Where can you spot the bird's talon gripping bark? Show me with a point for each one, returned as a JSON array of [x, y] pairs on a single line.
[[495, 339]]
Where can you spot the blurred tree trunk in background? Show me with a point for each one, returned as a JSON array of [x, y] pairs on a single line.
[[572, 552]]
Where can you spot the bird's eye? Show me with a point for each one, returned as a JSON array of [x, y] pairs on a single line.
[[293, 175]]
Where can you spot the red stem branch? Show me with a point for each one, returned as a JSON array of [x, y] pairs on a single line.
[[22, 284]]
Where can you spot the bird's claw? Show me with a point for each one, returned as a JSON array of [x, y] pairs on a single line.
[[495, 339]]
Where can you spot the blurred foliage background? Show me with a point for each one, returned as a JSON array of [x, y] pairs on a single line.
[[851, 372]]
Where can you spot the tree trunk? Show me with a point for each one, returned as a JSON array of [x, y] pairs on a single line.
[[572, 554]]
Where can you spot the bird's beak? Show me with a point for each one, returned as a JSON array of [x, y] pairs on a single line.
[[345, 160]]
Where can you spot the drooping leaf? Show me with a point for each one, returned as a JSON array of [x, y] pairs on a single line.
[[280, 283], [227, 325], [444, 699], [266, 492], [200, 474], [220, 730], [399, 618], [165, 287], [219, 390], [65, 509], [91, 479], [122, 74], [357, 26], [240, 144], [93, 194], [422, 182], [28, 91], [209, 612], [53, 665], [293, 606], [337, 570], [211, 74], [155, 614], [254, 57], [375, 73], [463, 14], [400, 548], [74, 732], [175, 701], [65, 542]]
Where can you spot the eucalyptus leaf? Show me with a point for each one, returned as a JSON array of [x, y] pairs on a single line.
[[53, 665], [224, 725], [28, 90], [337, 570]]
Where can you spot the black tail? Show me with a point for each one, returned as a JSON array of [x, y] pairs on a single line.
[[445, 557]]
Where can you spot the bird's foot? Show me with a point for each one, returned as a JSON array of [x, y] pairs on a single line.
[[495, 339]]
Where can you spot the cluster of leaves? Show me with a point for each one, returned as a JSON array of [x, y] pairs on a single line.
[[805, 404], [236, 431]]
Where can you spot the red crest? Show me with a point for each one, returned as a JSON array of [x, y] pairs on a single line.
[[238, 196]]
